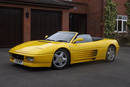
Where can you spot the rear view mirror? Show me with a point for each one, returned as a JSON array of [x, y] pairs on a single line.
[[78, 39]]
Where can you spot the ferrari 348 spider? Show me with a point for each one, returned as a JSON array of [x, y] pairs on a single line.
[[62, 49]]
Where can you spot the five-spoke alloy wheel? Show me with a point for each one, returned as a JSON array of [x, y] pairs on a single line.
[[60, 59], [111, 53]]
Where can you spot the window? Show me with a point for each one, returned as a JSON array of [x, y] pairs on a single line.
[[121, 25]]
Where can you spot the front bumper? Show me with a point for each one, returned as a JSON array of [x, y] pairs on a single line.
[[39, 61], [29, 64]]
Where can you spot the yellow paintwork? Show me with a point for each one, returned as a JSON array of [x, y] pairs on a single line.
[[43, 51]]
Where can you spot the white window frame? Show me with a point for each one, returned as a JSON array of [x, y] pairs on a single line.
[[122, 20]]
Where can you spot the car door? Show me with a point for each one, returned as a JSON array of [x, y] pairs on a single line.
[[84, 50]]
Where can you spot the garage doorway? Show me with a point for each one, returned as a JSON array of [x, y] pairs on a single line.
[[11, 32], [45, 23]]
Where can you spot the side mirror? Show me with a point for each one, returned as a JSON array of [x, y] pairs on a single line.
[[78, 39], [46, 36]]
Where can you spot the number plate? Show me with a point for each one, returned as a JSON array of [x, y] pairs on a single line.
[[17, 61]]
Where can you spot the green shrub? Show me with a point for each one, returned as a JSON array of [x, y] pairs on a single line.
[[128, 13], [110, 19]]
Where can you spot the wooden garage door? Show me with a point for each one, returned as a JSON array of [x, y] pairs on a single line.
[[44, 23], [10, 26], [78, 23]]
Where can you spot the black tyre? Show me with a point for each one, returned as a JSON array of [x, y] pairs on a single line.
[[61, 59], [111, 54]]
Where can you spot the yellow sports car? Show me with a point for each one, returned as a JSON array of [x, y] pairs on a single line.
[[62, 49]]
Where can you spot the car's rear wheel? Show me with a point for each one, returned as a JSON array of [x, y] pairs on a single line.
[[60, 59], [111, 54]]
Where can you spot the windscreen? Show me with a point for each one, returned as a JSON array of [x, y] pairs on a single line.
[[61, 37]]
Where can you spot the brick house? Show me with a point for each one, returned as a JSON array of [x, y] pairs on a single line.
[[121, 26], [23, 20]]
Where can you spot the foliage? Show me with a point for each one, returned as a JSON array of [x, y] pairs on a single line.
[[128, 13], [110, 19]]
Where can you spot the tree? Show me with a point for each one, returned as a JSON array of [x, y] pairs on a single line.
[[128, 13], [128, 22], [110, 19]]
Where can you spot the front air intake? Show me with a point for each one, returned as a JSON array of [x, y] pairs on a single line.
[[17, 56]]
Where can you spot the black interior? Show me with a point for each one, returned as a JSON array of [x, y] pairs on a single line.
[[88, 38], [97, 38]]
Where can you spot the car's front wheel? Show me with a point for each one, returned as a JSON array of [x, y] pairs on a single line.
[[111, 54], [60, 59]]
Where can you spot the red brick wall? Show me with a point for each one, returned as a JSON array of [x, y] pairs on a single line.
[[95, 25], [121, 6], [80, 8], [93, 9]]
